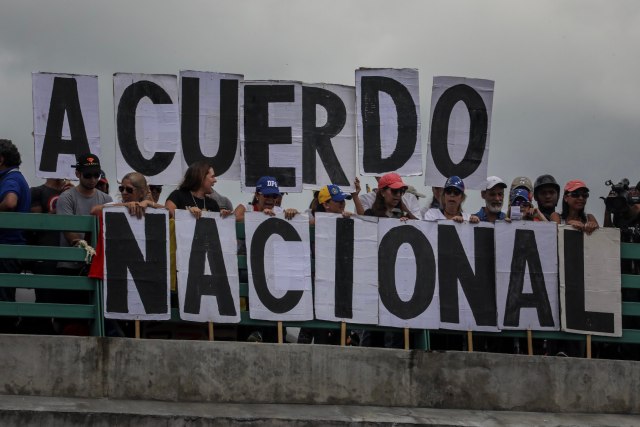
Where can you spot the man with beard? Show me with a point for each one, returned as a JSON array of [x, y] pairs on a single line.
[[493, 195], [546, 193]]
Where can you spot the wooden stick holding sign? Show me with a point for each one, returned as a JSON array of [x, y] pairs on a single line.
[[470, 341], [529, 342], [137, 326], [343, 334], [210, 324], [280, 334], [589, 346]]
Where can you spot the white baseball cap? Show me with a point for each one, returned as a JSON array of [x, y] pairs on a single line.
[[492, 181]]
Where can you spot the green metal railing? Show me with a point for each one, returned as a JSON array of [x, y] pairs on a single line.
[[88, 224], [48, 222]]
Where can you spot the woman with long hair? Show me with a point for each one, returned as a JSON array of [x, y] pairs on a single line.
[[388, 202], [451, 203], [573, 212], [198, 181], [134, 195]]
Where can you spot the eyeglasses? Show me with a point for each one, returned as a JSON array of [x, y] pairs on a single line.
[[522, 203], [270, 196], [578, 194], [396, 191], [87, 175], [452, 191], [129, 190]]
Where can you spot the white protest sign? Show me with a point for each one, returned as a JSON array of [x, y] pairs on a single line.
[[271, 134], [459, 134], [388, 121], [527, 275], [407, 274], [263, 234], [209, 121], [148, 126], [136, 266], [466, 273], [590, 284], [66, 122], [329, 136], [207, 264], [346, 260]]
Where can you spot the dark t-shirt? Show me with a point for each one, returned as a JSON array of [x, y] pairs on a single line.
[[183, 199], [46, 199]]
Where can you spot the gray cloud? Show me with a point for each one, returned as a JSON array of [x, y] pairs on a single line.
[[565, 72]]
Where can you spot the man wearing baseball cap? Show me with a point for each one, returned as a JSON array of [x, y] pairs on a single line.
[[79, 200], [546, 193], [521, 182], [493, 196]]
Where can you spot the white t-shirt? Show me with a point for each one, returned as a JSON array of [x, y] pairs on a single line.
[[435, 214]]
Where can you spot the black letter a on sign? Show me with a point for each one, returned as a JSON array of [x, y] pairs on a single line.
[[122, 253], [64, 98], [206, 244], [525, 253]]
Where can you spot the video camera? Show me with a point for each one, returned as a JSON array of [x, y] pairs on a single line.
[[619, 198]]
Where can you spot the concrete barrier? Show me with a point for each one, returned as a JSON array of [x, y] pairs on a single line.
[[230, 372]]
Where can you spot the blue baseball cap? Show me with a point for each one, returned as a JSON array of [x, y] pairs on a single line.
[[267, 185], [455, 182], [520, 193], [332, 192]]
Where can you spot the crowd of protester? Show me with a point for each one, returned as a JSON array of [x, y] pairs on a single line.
[[537, 201]]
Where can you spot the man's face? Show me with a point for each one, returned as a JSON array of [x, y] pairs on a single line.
[[494, 198], [547, 197], [88, 178]]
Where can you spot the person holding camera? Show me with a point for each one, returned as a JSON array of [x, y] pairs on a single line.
[[576, 194], [622, 206]]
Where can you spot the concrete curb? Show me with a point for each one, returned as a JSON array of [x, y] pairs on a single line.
[[232, 372]]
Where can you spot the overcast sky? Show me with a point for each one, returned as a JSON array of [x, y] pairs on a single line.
[[565, 72]]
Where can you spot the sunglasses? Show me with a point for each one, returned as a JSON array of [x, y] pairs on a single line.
[[270, 196], [452, 191], [129, 190], [578, 194], [396, 191], [521, 203], [88, 175]]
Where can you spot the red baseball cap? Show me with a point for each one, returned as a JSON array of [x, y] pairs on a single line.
[[391, 180], [574, 185]]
